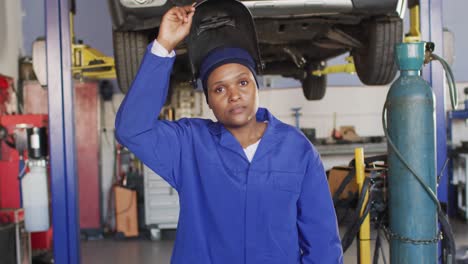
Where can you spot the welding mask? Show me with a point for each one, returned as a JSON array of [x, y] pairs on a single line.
[[221, 24]]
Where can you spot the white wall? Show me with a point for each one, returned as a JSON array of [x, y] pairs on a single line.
[[360, 107], [10, 37], [108, 148], [460, 127]]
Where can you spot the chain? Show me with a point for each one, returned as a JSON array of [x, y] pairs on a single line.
[[412, 241]]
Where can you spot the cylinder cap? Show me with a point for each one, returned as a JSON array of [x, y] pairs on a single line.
[[410, 56]]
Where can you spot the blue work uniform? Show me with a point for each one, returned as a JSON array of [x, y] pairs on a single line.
[[275, 209]]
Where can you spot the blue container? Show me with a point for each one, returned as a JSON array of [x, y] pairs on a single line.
[[411, 125]]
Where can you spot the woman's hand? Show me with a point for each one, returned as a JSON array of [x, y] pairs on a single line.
[[175, 26]]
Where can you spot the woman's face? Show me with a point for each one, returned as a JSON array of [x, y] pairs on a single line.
[[233, 95]]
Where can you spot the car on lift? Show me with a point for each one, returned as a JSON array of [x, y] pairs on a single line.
[[295, 38]]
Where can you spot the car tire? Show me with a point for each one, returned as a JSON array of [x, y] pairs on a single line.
[[314, 87], [129, 49], [375, 62]]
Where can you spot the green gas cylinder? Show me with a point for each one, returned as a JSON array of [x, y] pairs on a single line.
[[411, 126]]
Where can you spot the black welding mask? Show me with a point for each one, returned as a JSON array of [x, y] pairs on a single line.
[[221, 23]]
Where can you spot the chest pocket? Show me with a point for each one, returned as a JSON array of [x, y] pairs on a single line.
[[286, 181]]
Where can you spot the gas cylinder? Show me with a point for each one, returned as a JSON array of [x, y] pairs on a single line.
[[411, 126]]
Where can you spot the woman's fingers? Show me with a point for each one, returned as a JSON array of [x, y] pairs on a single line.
[[182, 12], [190, 11], [175, 26], [188, 8], [190, 15]]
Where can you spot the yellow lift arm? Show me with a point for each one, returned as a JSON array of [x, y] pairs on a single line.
[[414, 34], [340, 68], [88, 62]]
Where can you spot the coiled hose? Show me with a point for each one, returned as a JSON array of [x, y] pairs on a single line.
[[450, 79]]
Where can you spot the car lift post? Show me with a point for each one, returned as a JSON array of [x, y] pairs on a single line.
[[64, 191], [431, 30]]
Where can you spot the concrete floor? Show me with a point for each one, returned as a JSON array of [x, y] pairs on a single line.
[[159, 252]]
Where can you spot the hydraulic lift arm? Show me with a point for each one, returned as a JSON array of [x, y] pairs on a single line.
[[414, 34], [88, 62]]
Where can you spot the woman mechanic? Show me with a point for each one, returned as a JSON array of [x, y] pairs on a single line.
[[252, 189]]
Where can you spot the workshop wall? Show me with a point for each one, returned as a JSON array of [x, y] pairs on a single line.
[[107, 155], [33, 20], [454, 13], [360, 107], [460, 127], [10, 37]]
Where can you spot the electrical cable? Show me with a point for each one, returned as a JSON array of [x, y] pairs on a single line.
[[375, 259], [341, 217], [441, 173], [383, 256], [353, 231], [345, 203], [353, 228], [378, 240], [382, 250], [343, 185], [445, 225], [403, 160]]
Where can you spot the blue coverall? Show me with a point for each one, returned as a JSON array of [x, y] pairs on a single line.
[[276, 209]]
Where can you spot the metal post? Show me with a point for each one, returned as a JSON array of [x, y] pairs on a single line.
[[61, 133], [431, 29], [364, 229]]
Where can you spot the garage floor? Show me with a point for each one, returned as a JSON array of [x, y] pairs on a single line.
[[159, 252]]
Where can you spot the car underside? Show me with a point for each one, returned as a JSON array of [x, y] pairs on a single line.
[[292, 41]]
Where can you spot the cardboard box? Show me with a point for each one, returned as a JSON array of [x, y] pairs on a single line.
[[126, 218], [336, 176]]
